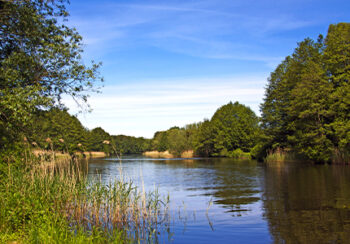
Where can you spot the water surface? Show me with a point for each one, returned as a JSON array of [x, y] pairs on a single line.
[[228, 201]]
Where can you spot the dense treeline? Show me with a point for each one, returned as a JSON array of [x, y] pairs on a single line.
[[307, 100], [56, 129], [232, 132], [130, 144]]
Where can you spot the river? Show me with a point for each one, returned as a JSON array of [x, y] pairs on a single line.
[[220, 200]]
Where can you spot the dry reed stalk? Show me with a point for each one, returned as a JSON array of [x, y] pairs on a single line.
[[115, 206]]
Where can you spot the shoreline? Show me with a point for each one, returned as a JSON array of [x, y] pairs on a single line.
[[167, 154], [92, 154]]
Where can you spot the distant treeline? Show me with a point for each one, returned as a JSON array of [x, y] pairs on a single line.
[[233, 126], [56, 129]]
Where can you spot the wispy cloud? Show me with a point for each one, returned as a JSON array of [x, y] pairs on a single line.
[[158, 105], [207, 29]]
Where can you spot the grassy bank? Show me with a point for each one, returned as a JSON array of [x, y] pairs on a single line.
[[53, 202]]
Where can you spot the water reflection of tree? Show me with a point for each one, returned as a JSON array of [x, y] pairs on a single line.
[[236, 185], [232, 184], [308, 204]]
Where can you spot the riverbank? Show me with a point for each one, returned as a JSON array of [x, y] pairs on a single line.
[[167, 154], [41, 153]]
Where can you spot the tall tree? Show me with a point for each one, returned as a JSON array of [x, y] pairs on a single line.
[[309, 110], [204, 139], [337, 61], [40, 60], [307, 102]]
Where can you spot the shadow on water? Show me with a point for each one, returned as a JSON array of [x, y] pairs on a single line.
[[307, 203]]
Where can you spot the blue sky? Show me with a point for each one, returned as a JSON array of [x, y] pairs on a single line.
[[168, 63]]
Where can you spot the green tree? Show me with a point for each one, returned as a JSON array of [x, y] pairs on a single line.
[[40, 60], [65, 131], [100, 140], [160, 141], [309, 110], [235, 126], [204, 139], [177, 141], [307, 102], [337, 62]]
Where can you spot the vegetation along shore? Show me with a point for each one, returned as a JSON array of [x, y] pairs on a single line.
[[45, 198]]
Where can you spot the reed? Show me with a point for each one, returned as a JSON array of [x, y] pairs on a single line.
[[157, 154], [340, 156], [280, 155], [52, 201]]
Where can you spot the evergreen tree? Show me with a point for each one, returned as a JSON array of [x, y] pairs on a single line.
[[307, 102]]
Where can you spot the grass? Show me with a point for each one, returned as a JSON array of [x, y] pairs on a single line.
[[283, 155], [167, 154], [44, 153], [156, 154], [54, 202], [341, 156]]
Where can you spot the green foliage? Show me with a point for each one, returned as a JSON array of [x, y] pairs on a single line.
[[131, 145], [204, 140], [160, 141], [177, 141], [239, 154], [233, 126], [307, 102], [65, 132], [34, 209], [40, 60], [99, 140], [53, 202]]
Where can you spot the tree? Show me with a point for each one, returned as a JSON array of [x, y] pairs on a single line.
[[309, 110], [204, 139], [40, 60], [307, 102], [160, 141], [177, 141], [65, 131], [337, 62], [100, 140], [235, 126], [272, 109]]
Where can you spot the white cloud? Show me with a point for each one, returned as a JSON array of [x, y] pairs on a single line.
[[143, 109]]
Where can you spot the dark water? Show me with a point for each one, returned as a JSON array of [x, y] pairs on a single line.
[[228, 201]]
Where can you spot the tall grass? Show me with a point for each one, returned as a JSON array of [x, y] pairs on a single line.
[[280, 155], [54, 202], [341, 156]]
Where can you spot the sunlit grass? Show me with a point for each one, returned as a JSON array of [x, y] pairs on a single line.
[[54, 202]]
